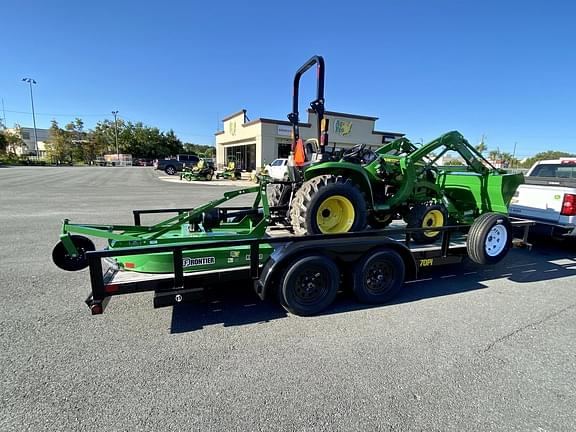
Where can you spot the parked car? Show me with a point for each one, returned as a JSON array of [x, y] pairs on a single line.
[[142, 162], [548, 197], [173, 165], [278, 169]]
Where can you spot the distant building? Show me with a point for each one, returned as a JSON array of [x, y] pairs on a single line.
[[258, 142], [27, 135]]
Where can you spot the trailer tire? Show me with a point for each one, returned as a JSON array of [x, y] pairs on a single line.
[[489, 238], [379, 276], [309, 285], [427, 216], [320, 198], [64, 261]]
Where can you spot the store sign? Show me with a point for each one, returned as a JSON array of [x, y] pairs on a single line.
[[342, 127], [284, 130], [232, 128]]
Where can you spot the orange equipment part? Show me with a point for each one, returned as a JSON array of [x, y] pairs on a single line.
[[299, 155]]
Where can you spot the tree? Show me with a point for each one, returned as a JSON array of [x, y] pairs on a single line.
[[59, 146], [10, 142], [481, 147], [550, 154]]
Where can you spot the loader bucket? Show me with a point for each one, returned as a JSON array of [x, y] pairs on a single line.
[[491, 192]]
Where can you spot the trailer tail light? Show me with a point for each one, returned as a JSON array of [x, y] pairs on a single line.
[[111, 288], [129, 265], [569, 205]]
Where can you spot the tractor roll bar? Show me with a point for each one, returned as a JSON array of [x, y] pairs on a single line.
[[316, 105]]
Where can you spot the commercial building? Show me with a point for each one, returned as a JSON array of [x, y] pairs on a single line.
[[27, 135], [258, 142]]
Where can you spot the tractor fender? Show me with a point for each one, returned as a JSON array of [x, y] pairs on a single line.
[[347, 170], [344, 252]]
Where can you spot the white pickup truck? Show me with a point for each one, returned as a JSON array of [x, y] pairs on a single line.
[[548, 197]]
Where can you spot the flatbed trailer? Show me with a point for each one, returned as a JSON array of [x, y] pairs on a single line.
[[303, 272]]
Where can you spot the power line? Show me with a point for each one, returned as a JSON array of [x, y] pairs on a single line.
[[57, 115]]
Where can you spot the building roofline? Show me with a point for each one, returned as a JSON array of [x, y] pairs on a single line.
[[388, 133], [347, 115], [242, 111]]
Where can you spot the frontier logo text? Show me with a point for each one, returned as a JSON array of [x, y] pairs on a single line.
[[191, 262]]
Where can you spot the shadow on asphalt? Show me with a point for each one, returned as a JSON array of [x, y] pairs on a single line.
[[239, 305]]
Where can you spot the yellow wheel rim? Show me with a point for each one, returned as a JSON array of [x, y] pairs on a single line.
[[335, 215], [432, 219]]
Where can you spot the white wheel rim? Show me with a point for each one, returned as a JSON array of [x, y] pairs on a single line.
[[496, 240]]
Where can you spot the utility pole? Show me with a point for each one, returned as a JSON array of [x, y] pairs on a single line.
[[115, 114], [31, 81], [3, 115]]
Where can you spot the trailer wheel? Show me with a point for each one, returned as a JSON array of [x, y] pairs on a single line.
[[427, 216], [489, 238], [66, 262], [309, 285], [378, 276], [328, 204]]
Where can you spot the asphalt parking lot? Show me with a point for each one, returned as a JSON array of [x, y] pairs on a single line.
[[464, 348]]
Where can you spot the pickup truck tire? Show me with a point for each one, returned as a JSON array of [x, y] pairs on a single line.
[[170, 170], [427, 216], [378, 276], [64, 261], [309, 284], [489, 238], [328, 204]]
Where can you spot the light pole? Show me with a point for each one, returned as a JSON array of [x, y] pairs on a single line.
[[31, 81], [115, 114]]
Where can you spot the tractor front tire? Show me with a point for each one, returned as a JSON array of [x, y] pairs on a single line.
[[427, 216], [328, 204]]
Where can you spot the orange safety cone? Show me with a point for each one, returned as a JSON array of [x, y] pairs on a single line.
[[299, 155]]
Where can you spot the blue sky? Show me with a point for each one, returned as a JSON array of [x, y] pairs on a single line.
[[506, 69]]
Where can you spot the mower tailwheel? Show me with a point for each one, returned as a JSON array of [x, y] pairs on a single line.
[[328, 204], [65, 261], [427, 216]]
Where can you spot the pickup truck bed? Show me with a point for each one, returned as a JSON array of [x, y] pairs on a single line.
[[549, 201]]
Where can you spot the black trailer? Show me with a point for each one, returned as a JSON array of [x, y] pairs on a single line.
[[305, 272]]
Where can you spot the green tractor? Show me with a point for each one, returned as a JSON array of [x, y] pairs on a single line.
[[231, 172], [203, 170], [334, 194]]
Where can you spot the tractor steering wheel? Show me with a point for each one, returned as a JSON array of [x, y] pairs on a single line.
[[354, 152]]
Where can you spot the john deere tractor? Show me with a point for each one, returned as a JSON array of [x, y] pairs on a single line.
[[334, 194]]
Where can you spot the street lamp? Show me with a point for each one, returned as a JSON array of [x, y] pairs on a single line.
[[115, 114], [31, 81]]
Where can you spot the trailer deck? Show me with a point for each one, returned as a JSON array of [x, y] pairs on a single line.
[[108, 279]]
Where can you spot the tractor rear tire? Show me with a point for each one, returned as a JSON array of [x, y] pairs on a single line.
[[328, 204], [427, 216], [489, 238]]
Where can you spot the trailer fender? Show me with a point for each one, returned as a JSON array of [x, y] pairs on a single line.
[[344, 253]]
